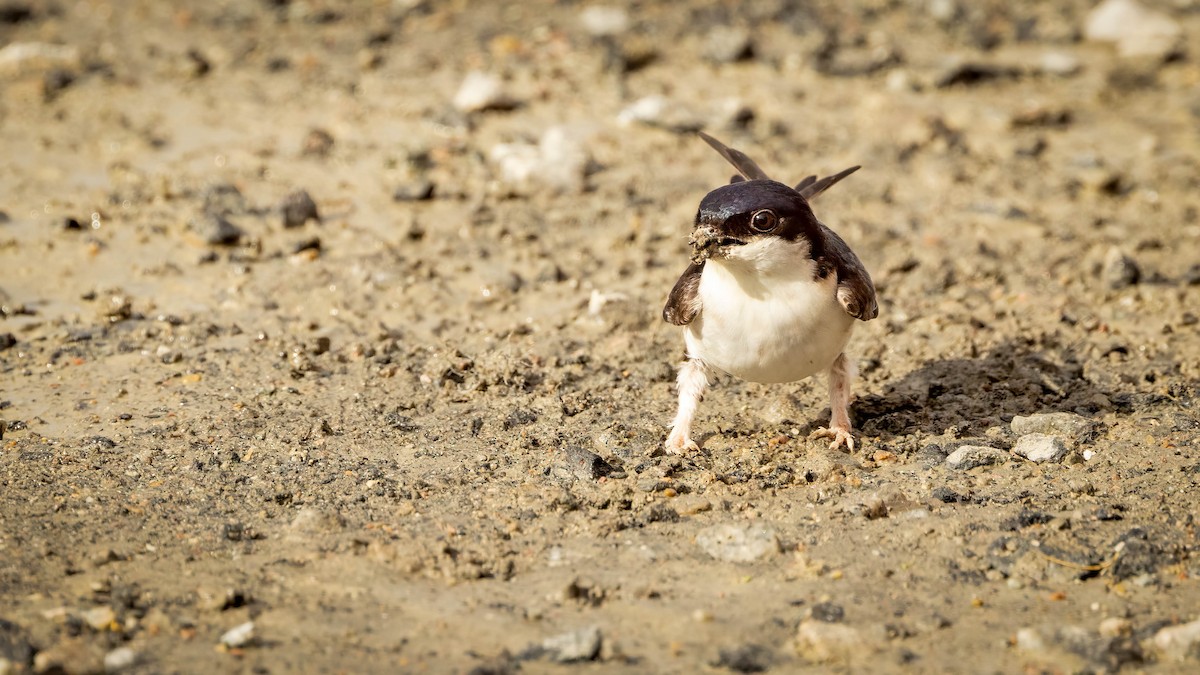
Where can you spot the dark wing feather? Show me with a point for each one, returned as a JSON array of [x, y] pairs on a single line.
[[855, 291], [739, 160], [683, 304], [810, 187]]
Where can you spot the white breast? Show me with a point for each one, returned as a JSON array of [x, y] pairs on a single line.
[[764, 318]]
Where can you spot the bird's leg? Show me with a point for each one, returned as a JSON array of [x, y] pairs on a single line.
[[840, 375], [692, 381]]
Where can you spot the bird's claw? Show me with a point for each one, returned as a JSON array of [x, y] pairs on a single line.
[[840, 436], [680, 444]]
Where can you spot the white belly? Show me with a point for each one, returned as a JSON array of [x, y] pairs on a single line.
[[778, 327]]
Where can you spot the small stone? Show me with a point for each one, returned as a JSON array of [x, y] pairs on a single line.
[[1030, 640], [100, 618], [828, 612], [1136, 30], [1040, 448], [737, 542], [559, 160], [223, 199], [239, 636], [35, 58], [604, 21], [1066, 425], [297, 208], [414, 191], [7, 341], [216, 230], [119, 660], [584, 464], [957, 71], [70, 655], [579, 645], [659, 111], [318, 143], [310, 521], [747, 658], [15, 646], [728, 44], [1116, 627], [1120, 270], [1178, 643], [822, 642], [971, 456], [1192, 276], [482, 91], [1059, 64]]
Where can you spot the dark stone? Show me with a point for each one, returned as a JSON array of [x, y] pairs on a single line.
[[748, 658], [1139, 555], [519, 418], [216, 230], [233, 531], [828, 612], [947, 496], [661, 513], [7, 341], [1192, 276], [15, 12], [970, 73], [54, 82], [416, 191], [70, 223], [318, 143], [297, 208], [15, 646], [400, 422], [310, 244], [99, 442], [223, 199], [1024, 519], [585, 464]]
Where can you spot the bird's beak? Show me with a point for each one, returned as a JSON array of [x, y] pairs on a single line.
[[707, 241]]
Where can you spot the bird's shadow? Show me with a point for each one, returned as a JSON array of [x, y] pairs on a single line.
[[969, 395]]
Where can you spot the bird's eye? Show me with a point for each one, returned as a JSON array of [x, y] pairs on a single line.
[[763, 221]]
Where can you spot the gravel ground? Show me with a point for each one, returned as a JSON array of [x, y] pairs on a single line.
[[331, 338]]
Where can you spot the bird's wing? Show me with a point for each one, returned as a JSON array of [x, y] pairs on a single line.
[[855, 291], [738, 159], [810, 187], [683, 304]]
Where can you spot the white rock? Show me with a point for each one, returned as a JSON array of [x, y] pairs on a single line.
[[971, 456], [1059, 63], [1179, 642], [482, 91], [1066, 425], [603, 21], [1030, 640], [99, 618], [738, 543], [580, 645], [559, 160], [659, 111], [27, 58], [1136, 30], [1040, 448], [119, 660], [239, 636], [822, 642]]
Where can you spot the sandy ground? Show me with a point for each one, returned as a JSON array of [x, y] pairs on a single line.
[[423, 433]]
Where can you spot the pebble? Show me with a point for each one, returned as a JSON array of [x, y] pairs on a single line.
[[223, 199], [71, 655], [971, 456], [578, 645], [559, 160], [1063, 424], [1136, 29], [1116, 627], [414, 191], [15, 646], [821, 642], [297, 208], [583, 464], [1178, 643], [747, 658], [604, 21], [239, 636], [100, 618], [659, 111], [216, 230], [1059, 64], [120, 660], [828, 612], [728, 44], [318, 143], [733, 542], [37, 58], [482, 91], [1120, 270], [1040, 448], [7, 341]]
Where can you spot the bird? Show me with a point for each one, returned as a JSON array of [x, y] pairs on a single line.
[[771, 295]]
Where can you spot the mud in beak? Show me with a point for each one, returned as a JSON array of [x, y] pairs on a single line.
[[707, 243]]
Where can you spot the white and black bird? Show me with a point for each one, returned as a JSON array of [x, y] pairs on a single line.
[[772, 294]]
